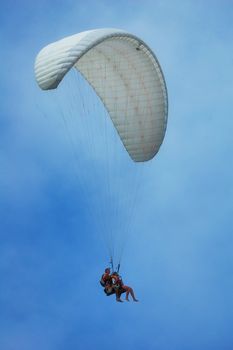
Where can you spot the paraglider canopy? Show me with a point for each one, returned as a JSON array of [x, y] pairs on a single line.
[[125, 74]]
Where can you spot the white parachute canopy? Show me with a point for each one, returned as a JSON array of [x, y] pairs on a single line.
[[126, 76], [115, 75]]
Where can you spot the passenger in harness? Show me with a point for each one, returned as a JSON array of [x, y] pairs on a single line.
[[113, 284], [121, 287]]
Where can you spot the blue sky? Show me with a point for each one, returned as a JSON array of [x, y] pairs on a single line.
[[179, 256]]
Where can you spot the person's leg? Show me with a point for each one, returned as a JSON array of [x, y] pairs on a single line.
[[130, 291], [127, 293], [118, 294]]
